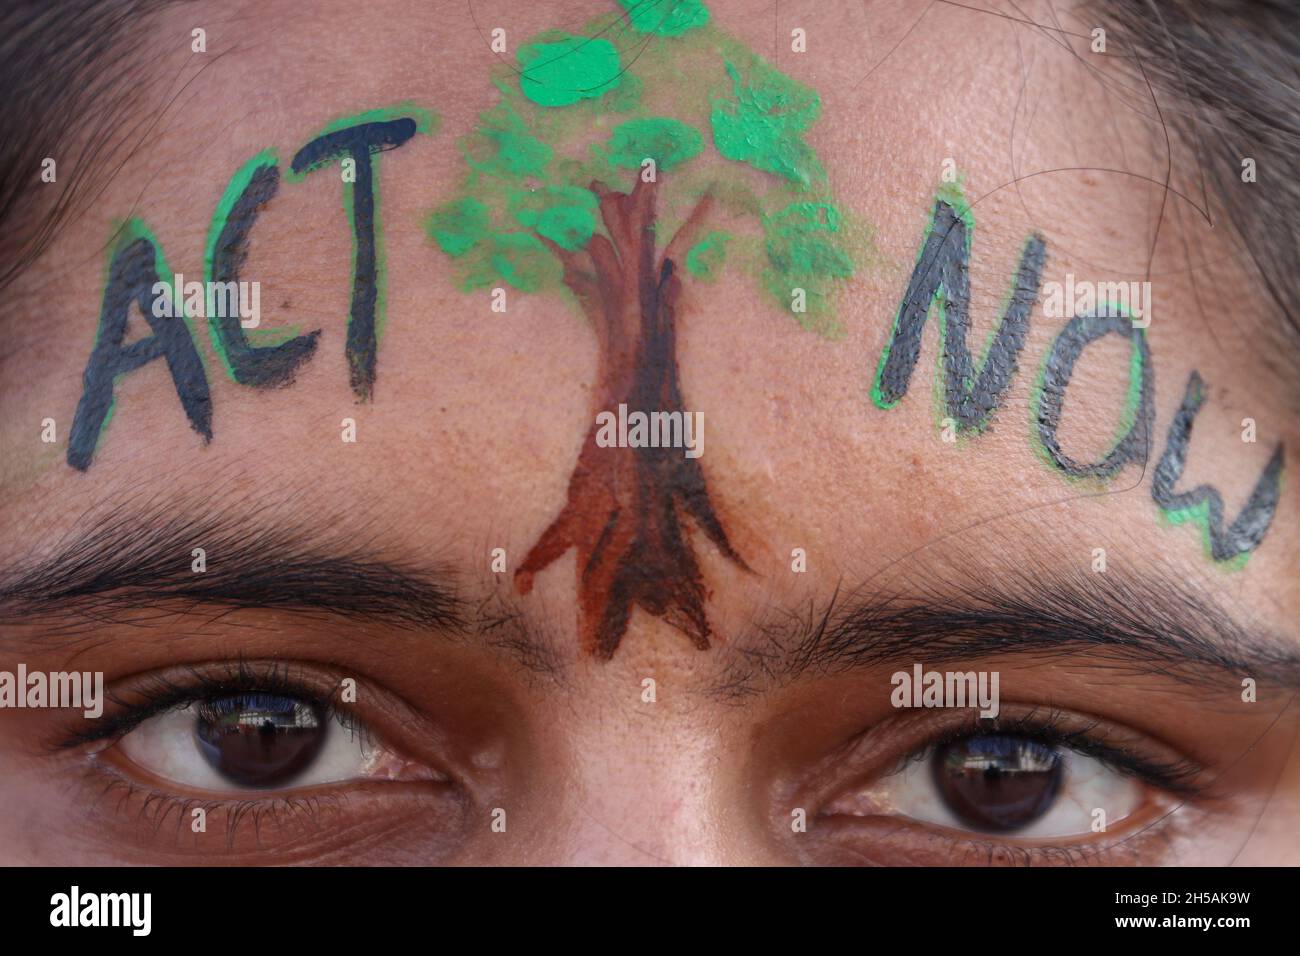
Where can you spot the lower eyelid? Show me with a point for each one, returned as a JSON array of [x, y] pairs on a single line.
[[892, 840], [145, 820], [416, 800], [867, 830]]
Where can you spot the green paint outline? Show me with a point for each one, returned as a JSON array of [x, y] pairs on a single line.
[[123, 234], [220, 216], [944, 191], [427, 123], [1198, 515], [1128, 413], [954, 195]]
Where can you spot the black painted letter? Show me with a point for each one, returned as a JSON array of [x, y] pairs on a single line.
[[1204, 503], [1134, 444], [358, 143], [971, 395], [249, 365], [134, 270]]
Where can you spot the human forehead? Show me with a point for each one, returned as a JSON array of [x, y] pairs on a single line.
[[409, 191]]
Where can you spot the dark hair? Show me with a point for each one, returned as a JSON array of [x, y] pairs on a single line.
[[1229, 71], [66, 67]]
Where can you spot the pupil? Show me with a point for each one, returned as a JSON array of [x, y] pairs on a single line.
[[998, 783], [259, 740]]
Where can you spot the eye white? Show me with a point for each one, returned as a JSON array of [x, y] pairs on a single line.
[[1086, 785], [165, 745]]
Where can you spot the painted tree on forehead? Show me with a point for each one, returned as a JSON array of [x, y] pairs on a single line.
[[615, 179]]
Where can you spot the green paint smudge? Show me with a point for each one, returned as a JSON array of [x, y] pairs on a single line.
[[762, 124], [504, 147], [563, 214], [522, 261], [458, 226], [559, 69], [627, 96], [803, 251], [648, 16], [705, 258], [667, 141]]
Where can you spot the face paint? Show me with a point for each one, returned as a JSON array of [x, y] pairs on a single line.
[[562, 214], [135, 267], [970, 396], [358, 138], [705, 258], [1133, 443], [624, 507], [628, 506], [667, 141], [503, 147], [251, 188], [560, 69], [803, 248], [1203, 505], [762, 123], [681, 16], [941, 277]]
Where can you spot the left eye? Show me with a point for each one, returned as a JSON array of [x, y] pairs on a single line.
[[1002, 784], [254, 741]]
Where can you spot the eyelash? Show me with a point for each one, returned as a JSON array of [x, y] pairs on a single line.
[[1177, 776], [1180, 781], [160, 693]]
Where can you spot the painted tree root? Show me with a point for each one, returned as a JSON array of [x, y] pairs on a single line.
[[625, 506]]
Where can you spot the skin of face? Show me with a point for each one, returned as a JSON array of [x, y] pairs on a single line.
[[478, 417]]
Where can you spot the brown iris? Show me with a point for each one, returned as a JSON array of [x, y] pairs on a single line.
[[998, 783], [260, 740]]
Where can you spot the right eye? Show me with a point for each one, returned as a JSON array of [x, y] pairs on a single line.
[[998, 783], [1009, 784], [257, 741]]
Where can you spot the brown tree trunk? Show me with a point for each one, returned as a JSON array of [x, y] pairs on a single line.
[[625, 506]]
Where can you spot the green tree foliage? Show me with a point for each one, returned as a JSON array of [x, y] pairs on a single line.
[[656, 83]]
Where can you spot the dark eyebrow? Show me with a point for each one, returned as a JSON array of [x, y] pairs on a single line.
[[117, 565], [1125, 624]]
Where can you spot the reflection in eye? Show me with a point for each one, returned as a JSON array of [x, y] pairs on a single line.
[[998, 783], [258, 741], [1001, 783]]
